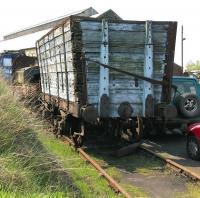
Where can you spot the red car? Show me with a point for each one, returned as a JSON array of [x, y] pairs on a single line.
[[193, 141]]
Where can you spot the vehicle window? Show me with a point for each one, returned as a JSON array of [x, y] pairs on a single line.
[[7, 62], [193, 90], [186, 87]]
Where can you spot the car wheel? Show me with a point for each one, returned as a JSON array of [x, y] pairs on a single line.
[[188, 105], [193, 147]]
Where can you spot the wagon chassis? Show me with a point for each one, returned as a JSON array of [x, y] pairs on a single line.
[[60, 118]]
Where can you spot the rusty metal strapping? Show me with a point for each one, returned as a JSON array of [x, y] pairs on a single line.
[[136, 76]]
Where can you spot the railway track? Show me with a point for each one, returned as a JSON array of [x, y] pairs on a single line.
[[113, 184], [117, 188], [172, 164], [182, 170]]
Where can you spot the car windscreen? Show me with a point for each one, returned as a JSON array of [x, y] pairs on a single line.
[[186, 87]]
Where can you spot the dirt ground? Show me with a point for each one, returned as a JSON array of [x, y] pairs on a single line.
[[157, 185]]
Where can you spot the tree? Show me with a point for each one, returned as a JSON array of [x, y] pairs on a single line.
[[191, 66]]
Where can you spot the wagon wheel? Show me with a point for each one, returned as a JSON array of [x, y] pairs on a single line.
[[59, 126], [45, 114], [77, 138], [139, 129]]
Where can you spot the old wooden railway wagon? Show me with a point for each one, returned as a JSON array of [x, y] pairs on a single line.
[[76, 86]]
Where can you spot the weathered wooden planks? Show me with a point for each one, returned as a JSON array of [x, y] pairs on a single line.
[[126, 51], [66, 73]]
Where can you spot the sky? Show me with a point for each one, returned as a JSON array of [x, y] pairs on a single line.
[[19, 14]]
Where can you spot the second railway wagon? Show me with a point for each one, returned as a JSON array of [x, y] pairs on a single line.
[[78, 89]]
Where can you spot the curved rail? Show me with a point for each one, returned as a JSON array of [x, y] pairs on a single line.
[[173, 164], [111, 181]]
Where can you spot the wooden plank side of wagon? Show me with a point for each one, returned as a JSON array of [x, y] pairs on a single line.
[[56, 52], [126, 51]]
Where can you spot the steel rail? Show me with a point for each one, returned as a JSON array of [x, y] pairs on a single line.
[[86, 157], [111, 181], [172, 163]]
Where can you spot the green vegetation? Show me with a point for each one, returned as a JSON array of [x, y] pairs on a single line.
[[139, 162], [191, 66], [34, 164], [193, 191]]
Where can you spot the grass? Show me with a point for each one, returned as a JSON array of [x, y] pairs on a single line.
[[35, 164], [84, 176], [193, 191], [139, 162]]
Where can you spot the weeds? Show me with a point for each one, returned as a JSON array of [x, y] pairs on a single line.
[[35, 164]]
